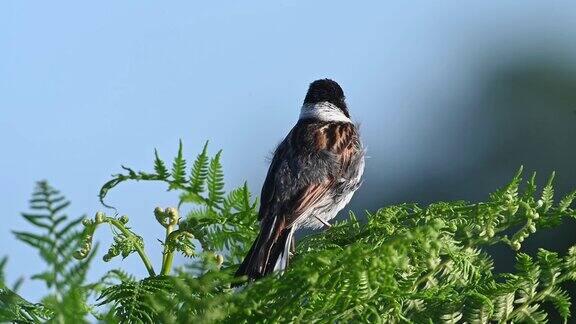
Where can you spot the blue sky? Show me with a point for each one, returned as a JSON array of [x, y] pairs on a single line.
[[86, 87]]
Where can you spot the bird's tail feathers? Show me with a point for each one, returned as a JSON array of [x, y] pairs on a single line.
[[284, 251], [269, 252]]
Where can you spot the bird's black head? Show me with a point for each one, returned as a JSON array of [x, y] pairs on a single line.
[[326, 90]]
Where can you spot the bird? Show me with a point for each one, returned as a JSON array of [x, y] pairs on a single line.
[[313, 175]]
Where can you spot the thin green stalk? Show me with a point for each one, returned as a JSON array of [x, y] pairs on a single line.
[[168, 255], [139, 249], [167, 265]]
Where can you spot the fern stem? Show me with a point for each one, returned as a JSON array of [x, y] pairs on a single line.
[[168, 255], [167, 264], [139, 249]]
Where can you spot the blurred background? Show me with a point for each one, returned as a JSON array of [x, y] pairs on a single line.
[[452, 98]]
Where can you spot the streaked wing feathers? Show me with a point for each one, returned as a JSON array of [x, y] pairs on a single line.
[[306, 166]]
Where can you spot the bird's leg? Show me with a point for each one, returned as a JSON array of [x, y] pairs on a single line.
[[323, 221]]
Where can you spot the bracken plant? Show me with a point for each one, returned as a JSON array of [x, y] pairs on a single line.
[[401, 264]]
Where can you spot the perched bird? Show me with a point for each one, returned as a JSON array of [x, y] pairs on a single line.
[[314, 173]]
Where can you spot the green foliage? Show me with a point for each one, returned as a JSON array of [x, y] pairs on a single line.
[[130, 299], [195, 299], [56, 238], [220, 223], [57, 241], [403, 264], [16, 309], [3, 263], [125, 241], [199, 171]]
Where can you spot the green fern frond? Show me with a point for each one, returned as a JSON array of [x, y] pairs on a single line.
[[16, 309], [199, 172], [451, 318], [503, 306], [532, 314], [160, 167], [566, 202], [160, 174], [116, 276], [70, 307], [239, 199], [509, 193], [175, 179], [178, 170], [478, 308], [215, 181], [57, 241], [124, 245], [551, 267], [548, 194], [42, 221], [570, 264], [131, 299], [561, 301], [119, 178], [182, 241]]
